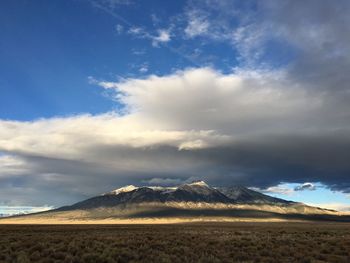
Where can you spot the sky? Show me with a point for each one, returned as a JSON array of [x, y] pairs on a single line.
[[97, 94]]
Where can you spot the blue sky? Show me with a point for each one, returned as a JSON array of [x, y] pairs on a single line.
[[233, 92], [49, 49]]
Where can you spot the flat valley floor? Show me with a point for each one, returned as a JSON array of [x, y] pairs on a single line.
[[196, 242]]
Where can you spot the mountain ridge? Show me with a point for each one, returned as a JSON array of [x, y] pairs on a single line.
[[191, 201]]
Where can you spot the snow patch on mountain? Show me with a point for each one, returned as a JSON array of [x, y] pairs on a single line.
[[162, 189], [124, 189], [199, 183]]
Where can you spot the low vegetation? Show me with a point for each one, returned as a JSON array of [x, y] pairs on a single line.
[[224, 242]]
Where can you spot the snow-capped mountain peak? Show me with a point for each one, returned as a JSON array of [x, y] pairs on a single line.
[[124, 189], [130, 188], [199, 183]]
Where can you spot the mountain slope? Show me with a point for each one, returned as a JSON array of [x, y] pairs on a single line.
[[240, 194]]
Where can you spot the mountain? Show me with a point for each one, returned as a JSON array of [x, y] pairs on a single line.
[[187, 202], [196, 192]]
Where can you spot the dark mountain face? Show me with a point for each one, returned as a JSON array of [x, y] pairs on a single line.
[[139, 195], [197, 193], [240, 194], [194, 192]]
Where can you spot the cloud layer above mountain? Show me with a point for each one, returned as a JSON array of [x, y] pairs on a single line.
[[253, 128]]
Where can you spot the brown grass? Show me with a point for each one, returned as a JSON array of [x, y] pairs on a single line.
[[200, 242]]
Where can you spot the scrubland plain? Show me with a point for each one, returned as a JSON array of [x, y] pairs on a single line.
[[196, 242]]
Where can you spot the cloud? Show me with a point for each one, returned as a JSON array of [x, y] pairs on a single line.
[[305, 186], [143, 68], [197, 26], [310, 34], [119, 29], [278, 189], [256, 128], [10, 165], [155, 19], [138, 52], [164, 181], [162, 37], [238, 103], [137, 31], [111, 4], [217, 20]]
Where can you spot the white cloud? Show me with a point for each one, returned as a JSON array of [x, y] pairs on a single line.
[[119, 29], [206, 100], [278, 189], [249, 41], [110, 4], [155, 19], [216, 20], [137, 31], [70, 137], [197, 26], [162, 37], [143, 68], [138, 52]]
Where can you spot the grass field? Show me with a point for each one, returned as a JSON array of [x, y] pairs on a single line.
[[221, 242]]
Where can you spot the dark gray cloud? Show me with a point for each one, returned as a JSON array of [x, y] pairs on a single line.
[[262, 162], [305, 186]]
